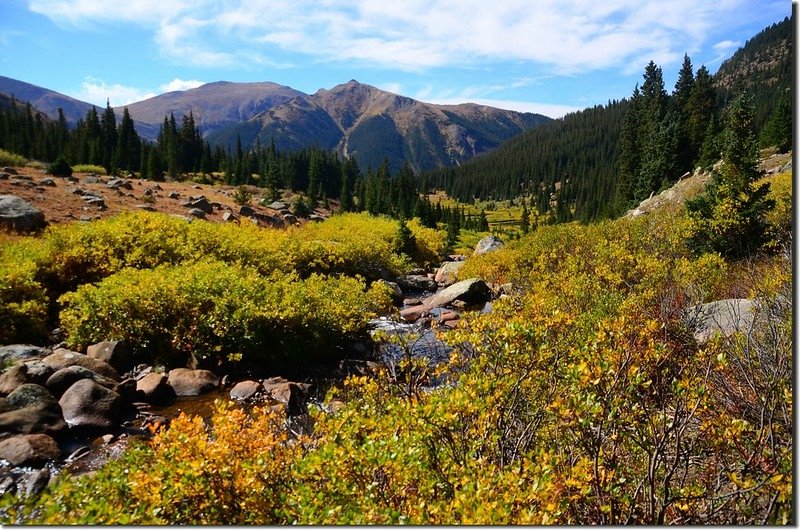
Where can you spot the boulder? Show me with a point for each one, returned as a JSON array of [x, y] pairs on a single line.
[[416, 282], [245, 390], [10, 170], [38, 371], [723, 316], [29, 450], [473, 291], [229, 217], [488, 244], [289, 218], [197, 212], [113, 352], [62, 379], [277, 205], [48, 182], [188, 382], [22, 351], [18, 214], [290, 394], [247, 211], [33, 410], [446, 275], [414, 313], [14, 377], [61, 358], [174, 195], [201, 204], [89, 404], [153, 388], [35, 483]]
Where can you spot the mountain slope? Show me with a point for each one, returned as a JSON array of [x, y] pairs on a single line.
[[371, 124], [45, 100], [213, 105]]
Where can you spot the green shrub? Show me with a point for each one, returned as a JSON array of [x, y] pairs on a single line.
[[60, 167], [209, 310], [89, 168], [7, 158]]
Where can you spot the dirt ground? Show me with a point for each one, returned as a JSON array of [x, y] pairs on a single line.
[[61, 201]]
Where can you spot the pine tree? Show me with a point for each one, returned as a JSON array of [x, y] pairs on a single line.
[[730, 218], [777, 131], [108, 132], [129, 144]]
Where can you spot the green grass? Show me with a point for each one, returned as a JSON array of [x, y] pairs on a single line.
[[7, 158], [88, 168]]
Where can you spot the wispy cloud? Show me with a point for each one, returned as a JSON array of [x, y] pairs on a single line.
[[564, 36], [98, 91]]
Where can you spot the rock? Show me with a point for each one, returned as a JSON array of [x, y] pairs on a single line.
[[289, 218], [29, 394], [414, 313], [48, 182], [38, 371], [88, 404], [316, 218], [247, 211], [126, 390], [18, 214], [29, 450], [174, 195], [198, 213], [145, 207], [41, 418], [446, 275], [34, 410], [229, 217], [187, 382], [201, 204], [36, 482], [10, 170], [62, 379], [61, 358], [245, 390], [14, 377], [7, 485], [723, 316], [113, 352], [488, 244], [447, 316], [416, 282], [397, 293], [91, 179], [153, 388], [409, 302], [288, 393], [473, 291], [277, 205]]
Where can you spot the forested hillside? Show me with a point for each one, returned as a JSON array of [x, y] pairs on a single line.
[[599, 162]]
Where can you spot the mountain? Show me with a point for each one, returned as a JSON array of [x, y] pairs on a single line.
[[213, 105], [370, 124], [47, 101]]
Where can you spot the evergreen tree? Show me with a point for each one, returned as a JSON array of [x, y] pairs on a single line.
[[701, 111], [108, 135], [129, 144], [730, 218], [777, 131]]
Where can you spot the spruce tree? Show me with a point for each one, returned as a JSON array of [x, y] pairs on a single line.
[[730, 218]]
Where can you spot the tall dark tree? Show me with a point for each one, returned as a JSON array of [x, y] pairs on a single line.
[[108, 135], [129, 144]]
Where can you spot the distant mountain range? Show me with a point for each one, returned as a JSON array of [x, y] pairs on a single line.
[[354, 119]]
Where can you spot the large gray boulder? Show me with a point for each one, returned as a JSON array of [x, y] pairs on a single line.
[[18, 214], [488, 244], [29, 449], [723, 316], [89, 404], [245, 390], [61, 358], [188, 382], [14, 377], [473, 291]]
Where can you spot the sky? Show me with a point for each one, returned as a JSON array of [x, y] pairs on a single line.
[[546, 56]]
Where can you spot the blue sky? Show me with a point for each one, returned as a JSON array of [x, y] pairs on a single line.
[[546, 56]]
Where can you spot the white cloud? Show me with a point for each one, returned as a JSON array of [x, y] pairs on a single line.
[[566, 36], [724, 46], [180, 84], [394, 88], [97, 91]]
